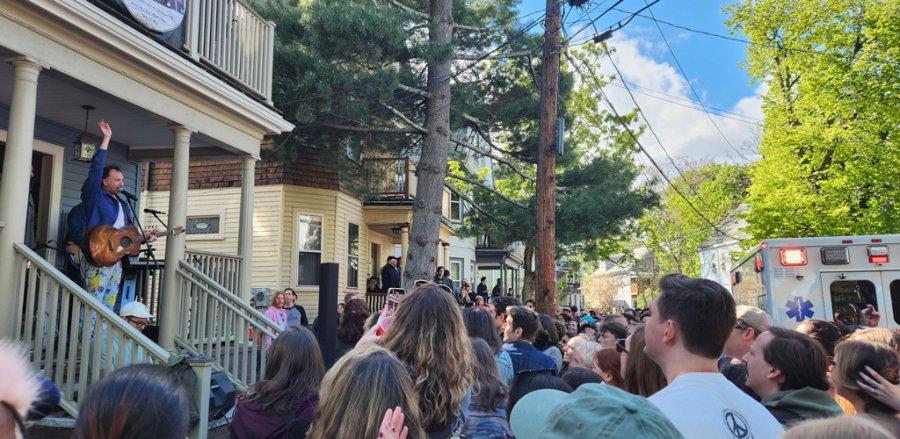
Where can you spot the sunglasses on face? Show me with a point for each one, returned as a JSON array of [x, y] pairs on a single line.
[[138, 323], [620, 345]]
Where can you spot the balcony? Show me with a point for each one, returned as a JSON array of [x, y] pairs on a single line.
[[391, 178]]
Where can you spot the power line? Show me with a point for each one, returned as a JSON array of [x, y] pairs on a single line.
[[691, 86], [641, 146], [636, 88]]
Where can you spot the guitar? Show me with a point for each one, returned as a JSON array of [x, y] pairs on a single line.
[[107, 244]]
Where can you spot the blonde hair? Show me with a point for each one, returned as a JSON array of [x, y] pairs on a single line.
[[358, 390], [850, 359], [275, 296], [427, 333], [857, 427], [878, 335]]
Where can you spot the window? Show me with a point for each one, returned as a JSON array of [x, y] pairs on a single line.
[[309, 245], [895, 299], [202, 225], [353, 256], [456, 270], [456, 207], [850, 297]]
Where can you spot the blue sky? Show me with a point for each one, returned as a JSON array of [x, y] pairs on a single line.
[[712, 65]]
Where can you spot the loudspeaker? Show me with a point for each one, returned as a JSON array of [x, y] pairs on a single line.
[[221, 395]]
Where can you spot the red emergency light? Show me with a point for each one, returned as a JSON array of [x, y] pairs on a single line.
[[878, 254], [793, 257], [758, 264]]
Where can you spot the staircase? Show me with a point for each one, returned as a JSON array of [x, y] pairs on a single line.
[[74, 340]]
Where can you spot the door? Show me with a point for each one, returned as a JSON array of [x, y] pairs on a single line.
[[847, 294], [890, 315]]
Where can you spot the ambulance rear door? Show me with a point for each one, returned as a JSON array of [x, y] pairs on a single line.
[[847, 293]]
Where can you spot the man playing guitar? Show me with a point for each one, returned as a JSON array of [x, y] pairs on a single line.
[[102, 206]]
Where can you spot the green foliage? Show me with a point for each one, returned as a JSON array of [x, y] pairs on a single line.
[[831, 160], [674, 231]]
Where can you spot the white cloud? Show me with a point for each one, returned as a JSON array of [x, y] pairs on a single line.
[[685, 132]]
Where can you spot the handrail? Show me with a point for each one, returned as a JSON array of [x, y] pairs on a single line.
[[218, 323], [223, 268], [67, 344]]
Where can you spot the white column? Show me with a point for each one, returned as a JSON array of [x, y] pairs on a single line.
[[446, 247], [404, 247], [14, 184], [171, 298], [245, 228]]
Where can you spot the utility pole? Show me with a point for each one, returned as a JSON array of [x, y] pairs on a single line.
[[545, 240]]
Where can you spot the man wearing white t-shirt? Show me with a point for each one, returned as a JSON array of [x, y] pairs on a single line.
[[688, 326]]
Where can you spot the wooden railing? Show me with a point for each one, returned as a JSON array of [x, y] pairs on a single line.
[[391, 178], [217, 323], [72, 338], [230, 37], [376, 301], [223, 268]]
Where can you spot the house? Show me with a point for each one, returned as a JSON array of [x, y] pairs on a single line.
[[631, 278], [721, 250], [177, 82]]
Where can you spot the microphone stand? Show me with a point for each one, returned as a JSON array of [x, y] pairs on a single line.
[[134, 220]]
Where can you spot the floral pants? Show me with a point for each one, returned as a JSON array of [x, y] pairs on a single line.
[[102, 282]]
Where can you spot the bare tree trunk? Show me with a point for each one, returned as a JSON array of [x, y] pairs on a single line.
[[528, 282], [432, 167], [545, 240]]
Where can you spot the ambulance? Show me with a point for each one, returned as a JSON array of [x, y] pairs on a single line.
[[797, 279]]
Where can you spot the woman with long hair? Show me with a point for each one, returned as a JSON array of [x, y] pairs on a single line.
[[352, 326], [850, 360], [640, 375], [285, 399], [427, 333], [277, 315], [135, 402], [608, 364], [547, 340], [359, 389], [486, 414], [479, 323]]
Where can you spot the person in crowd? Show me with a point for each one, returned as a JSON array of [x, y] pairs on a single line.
[[19, 389], [479, 303], [870, 316], [372, 285], [686, 348], [351, 327], [587, 330], [547, 340], [640, 374], [577, 376], [340, 310], [608, 364], [878, 335], [466, 296], [481, 289], [529, 304], [357, 392], [842, 427], [850, 361], [500, 305], [135, 402], [787, 371], [879, 388], [592, 410], [828, 334], [427, 333], [610, 332], [618, 318], [518, 334], [480, 324], [277, 315], [442, 277], [580, 351], [486, 414], [283, 402], [497, 291], [296, 314], [751, 321], [572, 328], [390, 274], [531, 380]]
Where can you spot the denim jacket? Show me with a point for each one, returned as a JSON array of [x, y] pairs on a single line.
[[525, 357]]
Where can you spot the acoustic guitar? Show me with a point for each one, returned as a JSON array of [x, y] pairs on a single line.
[[108, 244]]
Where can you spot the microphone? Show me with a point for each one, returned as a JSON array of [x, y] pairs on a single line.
[[128, 195], [155, 212]]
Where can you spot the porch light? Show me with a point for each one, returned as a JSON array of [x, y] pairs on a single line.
[[85, 144]]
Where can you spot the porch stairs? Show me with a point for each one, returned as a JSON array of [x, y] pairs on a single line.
[[73, 340]]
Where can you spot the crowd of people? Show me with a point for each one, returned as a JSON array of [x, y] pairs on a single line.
[[693, 364]]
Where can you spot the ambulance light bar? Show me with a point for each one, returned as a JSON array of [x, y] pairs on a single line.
[[793, 257]]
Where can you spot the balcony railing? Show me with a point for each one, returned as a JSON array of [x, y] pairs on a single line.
[[485, 241], [223, 268], [230, 37], [391, 178]]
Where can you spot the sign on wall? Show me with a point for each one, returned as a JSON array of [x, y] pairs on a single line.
[[157, 15]]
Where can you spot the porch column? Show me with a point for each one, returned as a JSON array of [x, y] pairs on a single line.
[[245, 228], [446, 247], [404, 243], [170, 314], [14, 183]]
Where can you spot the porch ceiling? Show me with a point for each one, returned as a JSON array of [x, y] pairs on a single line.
[[59, 100]]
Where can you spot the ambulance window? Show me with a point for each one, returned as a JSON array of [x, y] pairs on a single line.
[[895, 299], [850, 297]]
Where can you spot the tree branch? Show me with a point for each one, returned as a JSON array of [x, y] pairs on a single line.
[[472, 147], [477, 125], [489, 189], [465, 197], [455, 26], [472, 57], [403, 117], [368, 129]]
